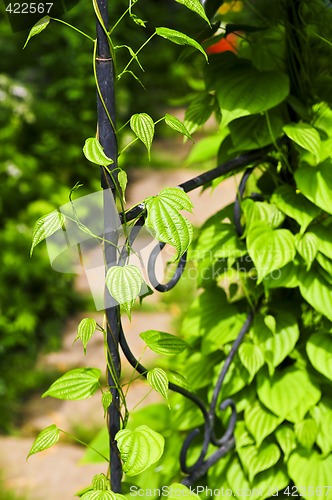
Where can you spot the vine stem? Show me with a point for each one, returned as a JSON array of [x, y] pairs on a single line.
[[73, 28]]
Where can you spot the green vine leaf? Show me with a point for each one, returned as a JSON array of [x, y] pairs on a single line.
[[315, 183], [311, 472], [306, 432], [94, 152], [163, 343], [180, 39], [86, 329], [260, 422], [158, 380], [286, 439], [199, 111], [251, 357], [106, 400], [166, 223], [45, 439], [124, 284], [76, 384], [305, 136], [101, 495], [143, 127], [139, 448], [319, 350], [195, 6], [317, 292], [323, 417], [45, 226], [270, 249], [255, 460], [261, 211], [307, 247], [123, 180], [177, 125], [38, 28]]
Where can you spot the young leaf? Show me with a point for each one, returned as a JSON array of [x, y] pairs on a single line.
[[177, 125], [319, 350], [45, 439], [46, 226], [166, 223], [158, 380], [180, 39], [94, 152], [270, 249], [106, 400], [163, 343], [86, 329], [37, 28], [143, 126], [306, 432], [195, 6], [260, 422], [286, 439], [79, 383], [255, 460], [101, 495], [251, 357], [124, 284], [123, 179], [307, 246], [139, 448], [305, 136]]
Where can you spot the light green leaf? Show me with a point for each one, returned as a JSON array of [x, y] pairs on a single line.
[[305, 136], [323, 236], [94, 152], [311, 473], [100, 482], [38, 27], [123, 180], [163, 343], [306, 432], [270, 322], [307, 246], [195, 6], [100, 495], [106, 400], [80, 383], [255, 460], [124, 284], [139, 448], [319, 350], [205, 149], [242, 436], [45, 439], [143, 126], [317, 292], [270, 249], [267, 483], [86, 329], [178, 379], [260, 422], [179, 199], [198, 112], [286, 277], [286, 439], [325, 263], [158, 380], [244, 90], [180, 39], [323, 417], [177, 125], [261, 211], [251, 357], [315, 183], [295, 205], [218, 240], [46, 226], [289, 394], [166, 223]]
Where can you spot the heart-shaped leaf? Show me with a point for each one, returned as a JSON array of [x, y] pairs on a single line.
[[46, 226], [94, 152], [295, 205], [180, 39], [124, 284], [80, 383], [260, 422], [158, 380], [315, 183], [286, 439], [163, 343], [317, 292], [143, 126], [45, 439], [251, 357], [306, 432], [139, 448], [305, 136], [307, 246], [255, 460], [86, 329], [311, 472], [319, 350]]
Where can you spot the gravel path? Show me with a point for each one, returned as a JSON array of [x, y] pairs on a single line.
[[56, 473]]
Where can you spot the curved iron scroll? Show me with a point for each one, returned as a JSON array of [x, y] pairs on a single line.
[[225, 442]]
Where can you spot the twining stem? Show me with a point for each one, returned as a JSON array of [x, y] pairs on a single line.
[[73, 27], [84, 444]]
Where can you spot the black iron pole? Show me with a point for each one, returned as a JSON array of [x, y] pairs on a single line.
[[107, 138]]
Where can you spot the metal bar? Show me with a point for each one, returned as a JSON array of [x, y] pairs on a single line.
[[107, 138]]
